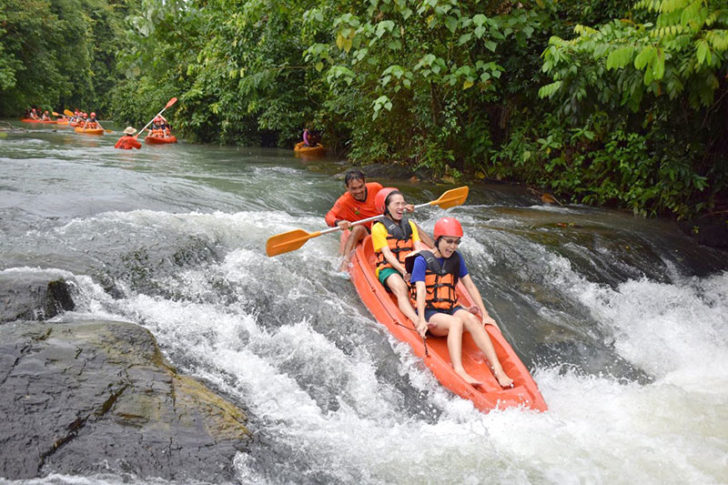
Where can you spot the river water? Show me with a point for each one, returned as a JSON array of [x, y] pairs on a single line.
[[622, 321]]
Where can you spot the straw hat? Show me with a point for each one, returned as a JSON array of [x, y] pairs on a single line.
[[129, 130]]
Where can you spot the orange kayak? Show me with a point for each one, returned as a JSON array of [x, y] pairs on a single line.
[[300, 149], [89, 131], [490, 395], [160, 139], [31, 120]]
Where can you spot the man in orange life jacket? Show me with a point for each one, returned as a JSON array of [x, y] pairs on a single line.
[[435, 275], [128, 141]]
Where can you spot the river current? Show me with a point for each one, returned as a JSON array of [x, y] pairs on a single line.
[[622, 321]]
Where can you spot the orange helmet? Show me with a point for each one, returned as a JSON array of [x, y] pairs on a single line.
[[447, 226], [381, 198]]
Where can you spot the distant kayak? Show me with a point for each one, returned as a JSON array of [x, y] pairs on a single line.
[[44, 122], [301, 149], [159, 140], [383, 306], [89, 131]]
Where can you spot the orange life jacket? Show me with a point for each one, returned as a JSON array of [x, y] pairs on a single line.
[[399, 240], [440, 281]]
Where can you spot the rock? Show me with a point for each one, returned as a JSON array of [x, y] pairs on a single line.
[[709, 230], [33, 295], [99, 397]]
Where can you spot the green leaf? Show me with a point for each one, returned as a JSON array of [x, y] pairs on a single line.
[[703, 52], [464, 39], [548, 90], [646, 56], [620, 57]]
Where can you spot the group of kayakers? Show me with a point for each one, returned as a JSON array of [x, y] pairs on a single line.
[[36, 114], [423, 280]]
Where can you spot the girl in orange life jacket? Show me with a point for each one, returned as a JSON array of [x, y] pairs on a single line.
[[434, 277], [393, 238], [91, 123]]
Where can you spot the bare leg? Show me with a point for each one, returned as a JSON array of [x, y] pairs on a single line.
[[397, 285], [482, 340], [443, 324], [357, 234]]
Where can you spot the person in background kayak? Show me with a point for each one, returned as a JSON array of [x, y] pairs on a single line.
[[355, 204], [435, 275], [46, 116], [128, 141], [394, 237], [157, 128], [306, 137], [92, 123]]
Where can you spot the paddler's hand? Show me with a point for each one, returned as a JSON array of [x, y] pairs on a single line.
[[421, 326], [409, 207], [488, 320], [344, 225]]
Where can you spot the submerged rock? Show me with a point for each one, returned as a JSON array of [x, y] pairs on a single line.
[[98, 397]]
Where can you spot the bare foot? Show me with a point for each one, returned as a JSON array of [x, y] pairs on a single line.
[[503, 379], [345, 266], [469, 379]]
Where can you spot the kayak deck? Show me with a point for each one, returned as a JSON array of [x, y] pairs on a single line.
[[383, 305], [89, 131]]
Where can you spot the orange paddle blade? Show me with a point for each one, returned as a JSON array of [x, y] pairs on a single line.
[[288, 241], [68, 112], [452, 197], [170, 103]]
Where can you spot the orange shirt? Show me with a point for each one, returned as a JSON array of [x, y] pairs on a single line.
[[349, 209], [127, 143]]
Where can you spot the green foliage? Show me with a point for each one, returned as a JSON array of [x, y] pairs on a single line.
[[661, 84], [58, 54]]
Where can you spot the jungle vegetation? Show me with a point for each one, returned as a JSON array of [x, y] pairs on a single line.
[[608, 102]]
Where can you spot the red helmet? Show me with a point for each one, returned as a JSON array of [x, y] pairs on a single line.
[[447, 226], [93, 114], [381, 197]]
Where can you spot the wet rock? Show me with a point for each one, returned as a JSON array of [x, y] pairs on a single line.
[[709, 230], [99, 397], [33, 296]]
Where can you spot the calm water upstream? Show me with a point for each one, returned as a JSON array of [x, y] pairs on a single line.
[[622, 321]]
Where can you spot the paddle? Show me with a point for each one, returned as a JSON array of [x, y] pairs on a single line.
[[68, 112], [292, 240], [169, 103]]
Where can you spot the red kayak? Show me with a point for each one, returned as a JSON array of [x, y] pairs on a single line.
[[490, 395], [158, 140]]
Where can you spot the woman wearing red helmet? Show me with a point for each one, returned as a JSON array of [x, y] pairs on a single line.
[[435, 275], [92, 123], [394, 237]]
